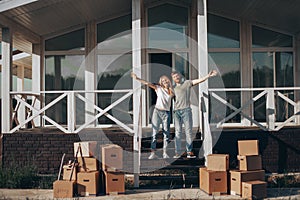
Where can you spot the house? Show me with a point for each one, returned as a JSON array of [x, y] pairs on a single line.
[[67, 64]]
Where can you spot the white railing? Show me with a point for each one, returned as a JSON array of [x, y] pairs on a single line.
[[246, 109], [270, 95], [71, 127]]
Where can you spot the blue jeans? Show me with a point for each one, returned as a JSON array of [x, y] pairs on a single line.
[[183, 117], [160, 117]]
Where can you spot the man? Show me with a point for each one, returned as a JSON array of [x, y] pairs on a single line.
[[183, 111]]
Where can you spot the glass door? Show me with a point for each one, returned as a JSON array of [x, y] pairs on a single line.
[[163, 64], [160, 64]]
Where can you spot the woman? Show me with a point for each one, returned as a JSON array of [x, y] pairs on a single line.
[[161, 113]]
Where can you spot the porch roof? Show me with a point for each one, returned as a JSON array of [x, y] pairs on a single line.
[[36, 19]]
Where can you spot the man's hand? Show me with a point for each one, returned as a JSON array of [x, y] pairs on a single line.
[[210, 74], [213, 73]]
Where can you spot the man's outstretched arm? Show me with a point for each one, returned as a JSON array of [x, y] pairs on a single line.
[[200, 80]]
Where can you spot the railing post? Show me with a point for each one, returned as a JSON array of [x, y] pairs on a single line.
[[71, 112], [20, 87], [270, 109]]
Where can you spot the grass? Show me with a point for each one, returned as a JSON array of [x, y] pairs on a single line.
[[24, 177], [286, 180]]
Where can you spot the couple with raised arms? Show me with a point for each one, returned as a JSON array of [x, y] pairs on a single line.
[[182, 111]]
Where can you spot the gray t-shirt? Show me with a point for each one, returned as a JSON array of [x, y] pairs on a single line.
[[182, 95]]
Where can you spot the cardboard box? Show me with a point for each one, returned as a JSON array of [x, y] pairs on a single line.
[[67, 169], [254, 189], [218, 162], [88, 148], [114, 182], [63, 189], [87, 164], [237, 177], [88, 183], [249, 163], [212, 181], [248, 147], [112, 157]]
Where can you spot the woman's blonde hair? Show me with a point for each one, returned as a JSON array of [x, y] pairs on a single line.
[[164, 77]]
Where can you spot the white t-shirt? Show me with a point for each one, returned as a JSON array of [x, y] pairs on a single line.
[[163, 101]]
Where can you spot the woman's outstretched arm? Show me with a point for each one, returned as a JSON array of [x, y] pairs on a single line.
[[151, 85]]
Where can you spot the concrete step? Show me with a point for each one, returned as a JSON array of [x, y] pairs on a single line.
[[172, 176]]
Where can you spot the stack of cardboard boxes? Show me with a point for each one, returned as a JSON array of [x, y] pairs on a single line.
[[79, 177], [112, 165], [213, 178], [83, 177], [88, 169], [248, 181]]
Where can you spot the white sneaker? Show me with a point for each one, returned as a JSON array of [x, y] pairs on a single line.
[[176, 156], [152, 156], [165, 155], [190, 155]]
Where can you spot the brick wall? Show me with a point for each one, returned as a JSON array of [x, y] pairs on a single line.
[[280, 150], [45, 150]]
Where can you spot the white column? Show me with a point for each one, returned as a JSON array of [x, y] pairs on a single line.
[[20, 88], [36, 79], [6, 78], [90, 70], [203, 70], [137, 63]]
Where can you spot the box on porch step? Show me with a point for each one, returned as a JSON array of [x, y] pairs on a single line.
[[64, 189], [249, 163], [213, 182], [248, 147], [112, 157], [238, 176], [88, 149], [218, 162], [254, 189]]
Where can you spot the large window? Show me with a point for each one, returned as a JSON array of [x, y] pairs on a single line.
[[222, 32], [168, 27], [266, 38], [115, 34], [69, 41], [64, 71], [272, 68], [114, 66], [224, 54]]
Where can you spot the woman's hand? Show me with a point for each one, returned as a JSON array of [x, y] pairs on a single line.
[[133, 75]]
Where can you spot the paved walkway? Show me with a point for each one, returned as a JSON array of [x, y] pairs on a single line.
[[28, 194]]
